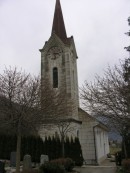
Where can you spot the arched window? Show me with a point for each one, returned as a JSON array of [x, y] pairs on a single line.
[[55, 77]]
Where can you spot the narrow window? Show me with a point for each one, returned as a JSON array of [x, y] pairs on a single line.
[[55, 77]]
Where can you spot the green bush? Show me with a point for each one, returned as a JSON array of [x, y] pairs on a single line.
[[126, 164], [50, 167], [68, 163], [120, 170], [78, 161]]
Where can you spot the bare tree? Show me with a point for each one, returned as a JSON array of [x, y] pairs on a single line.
[[20, 112], [128, 33], [108, 98]]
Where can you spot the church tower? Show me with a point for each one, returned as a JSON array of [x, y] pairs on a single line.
[[59, 61], [59, 73]]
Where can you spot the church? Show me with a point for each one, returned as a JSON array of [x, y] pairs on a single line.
[[59, 66]]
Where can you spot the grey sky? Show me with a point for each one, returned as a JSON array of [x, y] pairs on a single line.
[[98, 27]]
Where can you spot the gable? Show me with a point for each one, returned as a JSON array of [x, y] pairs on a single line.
[[84, 116], [54, 41]]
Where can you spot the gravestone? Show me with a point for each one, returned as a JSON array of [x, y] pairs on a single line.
[[13, 159], [43, 159], [2, 167], [27, 164]]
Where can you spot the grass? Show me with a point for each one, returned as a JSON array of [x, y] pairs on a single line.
[[120, 170], [31, 171], [37, 171], [113, 150]]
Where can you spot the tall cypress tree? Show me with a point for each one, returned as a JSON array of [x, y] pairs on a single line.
[[45, 145], [2, 141], [58, 148], [67, 147], [78, 158], [53, 148]]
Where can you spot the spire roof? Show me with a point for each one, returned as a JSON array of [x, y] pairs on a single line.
[[58, 22]]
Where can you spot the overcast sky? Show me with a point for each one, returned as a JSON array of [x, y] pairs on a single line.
[[98, 27]]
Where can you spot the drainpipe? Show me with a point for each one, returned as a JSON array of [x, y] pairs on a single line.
[[95, 144]]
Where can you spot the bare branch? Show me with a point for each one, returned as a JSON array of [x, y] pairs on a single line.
[[108, 97]]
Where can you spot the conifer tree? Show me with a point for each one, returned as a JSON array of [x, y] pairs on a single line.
[[33, 148], [1, 146], [46, 142], [71, 151], [43, 148], [78, 158], [38, 148], [58, 148], [67, 147], [49, 145], [54, 147]]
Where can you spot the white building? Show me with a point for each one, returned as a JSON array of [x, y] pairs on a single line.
[[59, 67], [93, 136]]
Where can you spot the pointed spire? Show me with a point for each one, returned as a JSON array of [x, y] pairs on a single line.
[[58, 22]]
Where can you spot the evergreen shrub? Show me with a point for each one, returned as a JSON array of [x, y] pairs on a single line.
[[68, 163], [79, 161], [35, 146], [126, 165], [51, 167]]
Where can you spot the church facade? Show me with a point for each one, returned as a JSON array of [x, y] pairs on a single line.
[[59, 68]]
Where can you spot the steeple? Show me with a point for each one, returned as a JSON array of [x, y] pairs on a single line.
[[58, 22]]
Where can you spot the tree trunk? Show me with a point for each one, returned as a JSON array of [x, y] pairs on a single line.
[[18, 153]]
